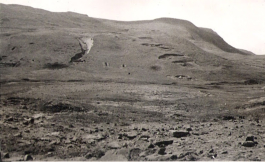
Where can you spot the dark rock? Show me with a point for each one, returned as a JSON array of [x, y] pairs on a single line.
[[229, 117], [31, 120], [51, 149], [212, 154], [250, 138], [27, 152], [144, 129], [6, 155], [255, 159], [26, 122], [179, 134], [200, 152], [120, 136], [188, 128], [174, 157], [161, 151], [10, 119], [249, 144], [196, 133], [211, 151], [88, 156], [164, 143], [153, 146], [28, 158]]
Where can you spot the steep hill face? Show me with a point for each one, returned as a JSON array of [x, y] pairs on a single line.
[[35, 39]]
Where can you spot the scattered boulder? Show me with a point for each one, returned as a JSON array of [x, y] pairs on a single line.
[[228, 117], [6, 155], [28, 157], [151, 146], [212, 154], [10, 118], [249, 144], [174, 157], [251, 81], [55, 107], [162, 151], [188, 128], [250, 141], [163, 143], [179, 133], [250, 137]]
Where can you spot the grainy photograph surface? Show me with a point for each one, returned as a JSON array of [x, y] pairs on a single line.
[[132, 80]]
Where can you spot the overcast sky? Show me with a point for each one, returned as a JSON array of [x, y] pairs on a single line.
[[240, 22]]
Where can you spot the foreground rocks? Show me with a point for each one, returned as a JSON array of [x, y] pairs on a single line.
[[90, 133], [219, 139]]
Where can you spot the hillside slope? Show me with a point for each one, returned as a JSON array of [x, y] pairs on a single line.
[[35, 39]]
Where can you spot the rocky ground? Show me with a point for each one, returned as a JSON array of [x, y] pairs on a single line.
[[167, 125]]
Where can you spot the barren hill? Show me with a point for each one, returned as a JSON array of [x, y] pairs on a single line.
[[102, 89], [34, 38]]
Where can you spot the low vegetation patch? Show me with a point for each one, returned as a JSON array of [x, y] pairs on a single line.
[[55, 65], [155, 68], [168, 55]]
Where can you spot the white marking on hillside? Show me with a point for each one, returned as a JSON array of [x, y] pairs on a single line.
[[86, 44]]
